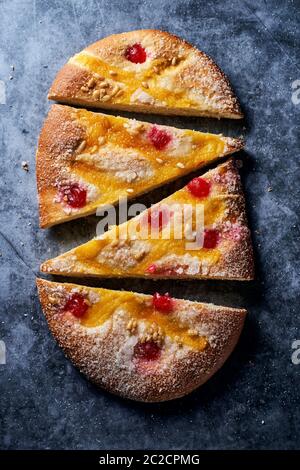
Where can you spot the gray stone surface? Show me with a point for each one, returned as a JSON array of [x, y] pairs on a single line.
[[253, 402]]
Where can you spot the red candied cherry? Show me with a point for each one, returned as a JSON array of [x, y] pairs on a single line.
[[162, 303], [159, 138], [211, 238], [147, 351], [199, 187], [158, 217], [154, 269], [77, 305], [136, 54], [74, 195]]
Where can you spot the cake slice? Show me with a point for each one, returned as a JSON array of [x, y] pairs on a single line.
[[198, 232], [88, 160], [148, 71], [142, 347]]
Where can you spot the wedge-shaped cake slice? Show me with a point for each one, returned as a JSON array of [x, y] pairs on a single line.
[[142, 347], [198, 232], [87, 160], [147, 71]]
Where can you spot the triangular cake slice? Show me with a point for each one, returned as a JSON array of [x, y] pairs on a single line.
[[147, 71], [87, 160], [215, 240], [143, 347]]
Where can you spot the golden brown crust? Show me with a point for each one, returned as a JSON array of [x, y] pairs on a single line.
[[104, 354], [61, 136], [194, 71]]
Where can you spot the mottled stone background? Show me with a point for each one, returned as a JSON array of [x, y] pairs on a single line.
[[253, 402]]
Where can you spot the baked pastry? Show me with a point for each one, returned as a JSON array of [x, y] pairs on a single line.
[[142, 347], [87, 160], [166, 242], [148, 71]]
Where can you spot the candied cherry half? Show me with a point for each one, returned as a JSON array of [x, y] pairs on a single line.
[[154, 269], [199, 187], [147, 351], [74, 195], [162, 303], [136, 54], [77, 305], [159, 138]]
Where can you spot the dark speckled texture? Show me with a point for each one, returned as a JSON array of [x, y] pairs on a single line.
[[253, 402]]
